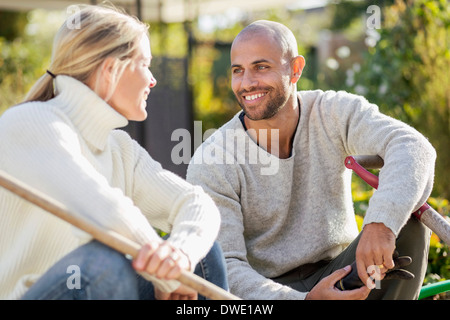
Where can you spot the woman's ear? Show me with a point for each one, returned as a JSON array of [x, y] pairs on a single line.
[[298, 63], [107, 69], [101, 80]]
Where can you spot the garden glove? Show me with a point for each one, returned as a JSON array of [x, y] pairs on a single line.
[[352, 280]]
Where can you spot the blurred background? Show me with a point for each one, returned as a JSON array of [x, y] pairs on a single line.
[[394, 52]]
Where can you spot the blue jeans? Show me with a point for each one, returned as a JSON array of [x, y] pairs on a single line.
[[94, 271]]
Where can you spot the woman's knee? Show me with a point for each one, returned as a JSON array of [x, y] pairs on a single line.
[[213, 267]]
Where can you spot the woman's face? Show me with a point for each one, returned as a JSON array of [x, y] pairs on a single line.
[[133, 88]]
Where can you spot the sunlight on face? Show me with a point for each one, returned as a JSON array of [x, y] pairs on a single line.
[[260, 76], [133, 88]]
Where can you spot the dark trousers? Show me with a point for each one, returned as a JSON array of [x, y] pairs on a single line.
[[412, 241]]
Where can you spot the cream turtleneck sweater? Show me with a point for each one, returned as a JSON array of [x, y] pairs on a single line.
[[69, 148]]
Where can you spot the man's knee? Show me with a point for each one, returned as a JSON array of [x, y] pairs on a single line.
[[413, 239]]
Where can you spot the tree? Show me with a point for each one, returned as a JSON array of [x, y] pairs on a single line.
[[12, 24], [24, 52], [407, 74]]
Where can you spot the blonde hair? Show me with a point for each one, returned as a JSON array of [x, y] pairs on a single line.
[[80, 49]]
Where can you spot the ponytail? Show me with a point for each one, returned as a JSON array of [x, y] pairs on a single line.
[[42, 90]]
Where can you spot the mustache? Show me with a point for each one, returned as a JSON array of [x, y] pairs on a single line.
[[245, 91]]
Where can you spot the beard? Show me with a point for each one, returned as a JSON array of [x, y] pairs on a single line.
[[266, 110]]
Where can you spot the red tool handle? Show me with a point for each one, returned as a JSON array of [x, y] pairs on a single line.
[[371, 179]]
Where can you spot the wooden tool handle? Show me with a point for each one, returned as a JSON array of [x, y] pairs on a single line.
[[437, 223], [109, 238]]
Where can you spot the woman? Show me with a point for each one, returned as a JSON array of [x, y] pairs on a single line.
[[63, 141]]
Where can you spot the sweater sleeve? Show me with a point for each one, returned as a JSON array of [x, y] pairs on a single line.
[[406, 179], [174, 206], [222, 182]]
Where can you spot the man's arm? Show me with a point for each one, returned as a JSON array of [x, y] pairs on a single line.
[[405, 181]]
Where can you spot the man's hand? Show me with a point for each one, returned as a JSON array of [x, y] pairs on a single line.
[[325, 289], [375, 248]]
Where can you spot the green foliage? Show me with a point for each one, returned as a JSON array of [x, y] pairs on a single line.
[[407, 74], [21, 63], [439, 256], [24, 58], [213, 100], [12, 24]]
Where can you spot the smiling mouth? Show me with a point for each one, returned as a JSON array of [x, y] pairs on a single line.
[[255, 96]]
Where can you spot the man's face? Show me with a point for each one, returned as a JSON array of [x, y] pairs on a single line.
[[260, 76]]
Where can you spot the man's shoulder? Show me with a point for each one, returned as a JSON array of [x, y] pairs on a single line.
[[312, 95], [219, 147], [233, 125], [332, 101]]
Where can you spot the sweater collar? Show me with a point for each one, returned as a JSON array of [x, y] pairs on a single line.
[[91, 115]]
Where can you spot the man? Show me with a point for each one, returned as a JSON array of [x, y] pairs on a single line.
[[289, 232]]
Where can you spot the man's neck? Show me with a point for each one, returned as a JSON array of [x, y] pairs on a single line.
[[276, 134]]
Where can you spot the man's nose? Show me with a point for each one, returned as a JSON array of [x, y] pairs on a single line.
[[248, 81]]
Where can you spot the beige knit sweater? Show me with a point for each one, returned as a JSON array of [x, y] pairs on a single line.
[[278, 214], [69, 149]]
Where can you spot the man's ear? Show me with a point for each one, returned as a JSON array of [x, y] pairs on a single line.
[[298, 63]]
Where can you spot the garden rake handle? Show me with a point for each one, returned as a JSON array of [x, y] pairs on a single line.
[[426, 214], [109, 238]]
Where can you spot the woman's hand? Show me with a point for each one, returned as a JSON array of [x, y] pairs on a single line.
[[182, 293], [163, 261]]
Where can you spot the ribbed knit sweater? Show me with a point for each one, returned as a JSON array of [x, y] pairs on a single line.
[[70, 149], [278, 214]]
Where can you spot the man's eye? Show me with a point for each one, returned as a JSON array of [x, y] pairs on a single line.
[[237, 70], [261, 67]]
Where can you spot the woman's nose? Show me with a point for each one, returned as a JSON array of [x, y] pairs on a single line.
[[152, 81]]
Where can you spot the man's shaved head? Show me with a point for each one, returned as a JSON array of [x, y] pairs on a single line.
[[265, 68], [277, 31]]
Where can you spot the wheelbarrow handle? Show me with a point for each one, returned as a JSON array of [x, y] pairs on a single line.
[[426, 214]]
